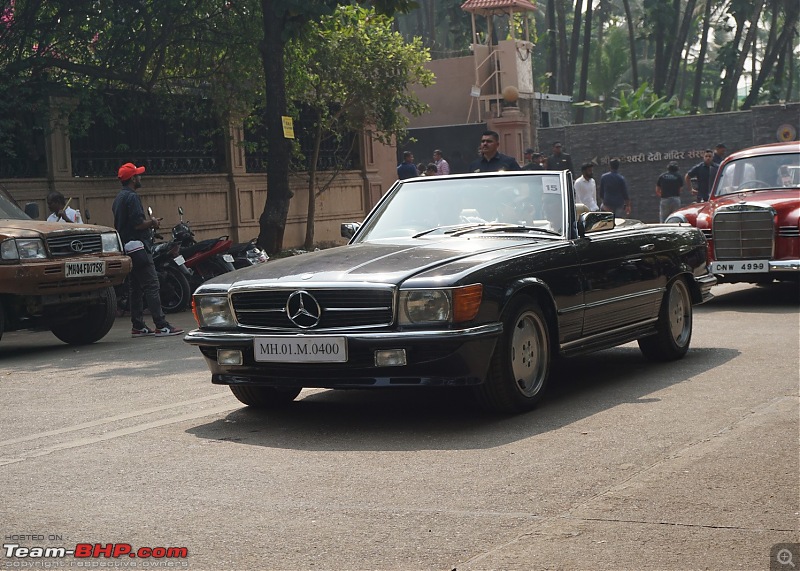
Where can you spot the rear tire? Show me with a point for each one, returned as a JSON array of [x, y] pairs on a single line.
[[520, 366], [94, 325], [674, 327], [264, 397]]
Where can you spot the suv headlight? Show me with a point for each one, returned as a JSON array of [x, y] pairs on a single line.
[[213, 311], [110, 241], [23, 249], [445, 305]]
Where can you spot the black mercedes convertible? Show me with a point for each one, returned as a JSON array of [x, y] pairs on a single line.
[[480, 280]]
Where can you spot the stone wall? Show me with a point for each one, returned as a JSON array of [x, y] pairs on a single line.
[[646, 147]]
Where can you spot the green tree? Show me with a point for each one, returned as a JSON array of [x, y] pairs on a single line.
[[283, 21], [357, 71]]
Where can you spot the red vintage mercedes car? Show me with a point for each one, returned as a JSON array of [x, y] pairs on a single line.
[[751, 220]]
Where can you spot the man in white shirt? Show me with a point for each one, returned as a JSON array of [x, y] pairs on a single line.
[[586, 189], [59, 211], [442, 167]]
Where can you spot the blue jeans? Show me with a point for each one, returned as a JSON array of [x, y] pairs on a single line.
[[667, 206], [144, 283]]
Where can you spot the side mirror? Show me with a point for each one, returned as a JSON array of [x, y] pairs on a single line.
[[88, 216], [32, 210], [180, 210], [595, 222], [349, 229]]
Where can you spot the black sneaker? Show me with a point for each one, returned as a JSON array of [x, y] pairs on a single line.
[[168, 330]]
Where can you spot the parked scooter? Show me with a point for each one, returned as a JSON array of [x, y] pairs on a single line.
[[207, 258], [173, 278], [247, 254]]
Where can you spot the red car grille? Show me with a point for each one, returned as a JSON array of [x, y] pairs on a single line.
[[744, 233]]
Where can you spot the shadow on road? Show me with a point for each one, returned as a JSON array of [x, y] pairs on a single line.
[[448, 419], [774, 298]]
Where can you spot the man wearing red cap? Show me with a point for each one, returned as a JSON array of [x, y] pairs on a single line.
[[136, 232]]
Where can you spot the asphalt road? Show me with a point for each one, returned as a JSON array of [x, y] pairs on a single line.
[[627, 465]]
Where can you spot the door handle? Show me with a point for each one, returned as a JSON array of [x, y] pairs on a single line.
[[647, 247]]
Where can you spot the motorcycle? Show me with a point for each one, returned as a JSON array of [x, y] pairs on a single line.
[[173, 278], [206, 259], [247, 254]]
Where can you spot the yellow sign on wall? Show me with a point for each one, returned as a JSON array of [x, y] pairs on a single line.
[[288, 127]]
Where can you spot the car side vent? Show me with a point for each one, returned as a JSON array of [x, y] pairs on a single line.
[[789, 232]]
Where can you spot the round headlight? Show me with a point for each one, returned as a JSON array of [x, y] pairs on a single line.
[[427, 305]]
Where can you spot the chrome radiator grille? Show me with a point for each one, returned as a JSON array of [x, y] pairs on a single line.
[[339, 308], [71, 245], [744, 233]]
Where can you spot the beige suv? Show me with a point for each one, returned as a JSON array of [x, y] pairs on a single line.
[[58, 276]]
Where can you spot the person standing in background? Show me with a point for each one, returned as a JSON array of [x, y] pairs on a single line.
[[533, 161], [59, 211], [586, 189], [407, 169], [614, 191], [559, 161], [701, 176], [491, 160], [442, 166], [668, 189], [719, 153]]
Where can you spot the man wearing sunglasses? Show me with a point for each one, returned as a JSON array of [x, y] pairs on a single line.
[[491, 160]]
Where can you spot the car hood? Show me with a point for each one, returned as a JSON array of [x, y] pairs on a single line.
[[12, 227], [386, 263], [781, 200]]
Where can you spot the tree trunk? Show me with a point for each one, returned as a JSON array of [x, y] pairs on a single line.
[[563, 56], [731, 85], [587, 43], [677, 48], [632, 42], [701, 58], [786, 35], [312, 188], [573, 48], [552, 43], [272, 222]]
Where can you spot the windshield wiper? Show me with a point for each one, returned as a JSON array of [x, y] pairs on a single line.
[[495, 227], [450, 229]]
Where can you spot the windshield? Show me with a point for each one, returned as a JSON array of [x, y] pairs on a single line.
[[529, 202], [765, 171], [10, 210]]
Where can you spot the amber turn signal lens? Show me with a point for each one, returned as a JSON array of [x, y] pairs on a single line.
[[466, 302], [194, 312]]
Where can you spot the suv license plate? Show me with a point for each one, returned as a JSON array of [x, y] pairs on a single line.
[[84, 269], [740, 267], [316, 349]]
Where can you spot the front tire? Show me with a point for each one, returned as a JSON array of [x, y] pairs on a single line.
[[674, 327], [520, 366], [264, 397], [93, 325], [174, 290]]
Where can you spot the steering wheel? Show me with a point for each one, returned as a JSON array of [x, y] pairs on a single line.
[[753, 184]]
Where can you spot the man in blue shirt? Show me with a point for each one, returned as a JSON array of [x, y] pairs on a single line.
[[701, 176], [136, 231], [491, 160], [407, 168], [613, 191]]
